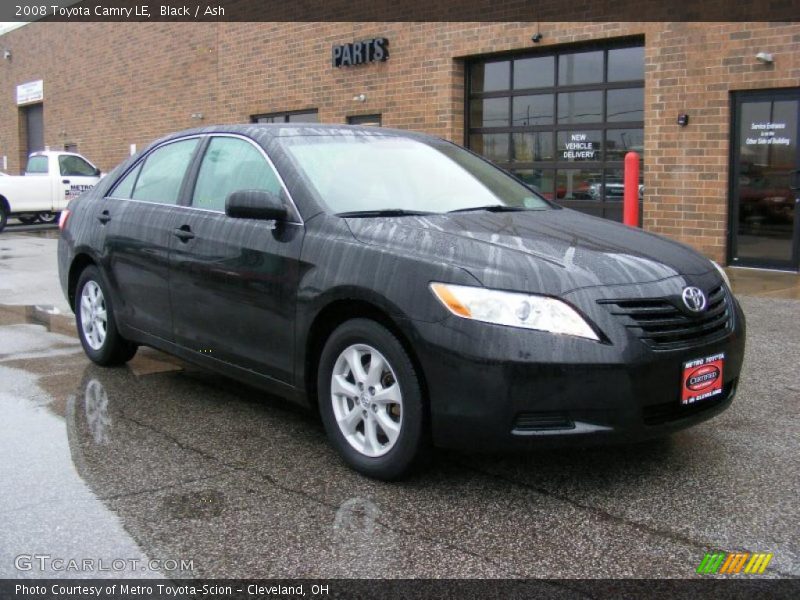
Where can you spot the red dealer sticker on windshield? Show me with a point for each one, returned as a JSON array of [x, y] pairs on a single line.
[[702, 379]]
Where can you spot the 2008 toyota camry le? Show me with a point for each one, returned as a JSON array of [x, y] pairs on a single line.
[[407, 289]]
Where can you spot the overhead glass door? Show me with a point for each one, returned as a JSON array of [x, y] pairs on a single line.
[[765, 180]]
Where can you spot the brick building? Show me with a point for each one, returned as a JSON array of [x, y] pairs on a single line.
[[560, 113]]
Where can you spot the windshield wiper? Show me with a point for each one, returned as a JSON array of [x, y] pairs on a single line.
[[384, 212], [491, 208]]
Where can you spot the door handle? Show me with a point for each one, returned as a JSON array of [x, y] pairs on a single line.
[[104, 217], [183, 233], [65, 181]]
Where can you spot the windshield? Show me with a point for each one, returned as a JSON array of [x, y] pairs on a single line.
[[357, 173]]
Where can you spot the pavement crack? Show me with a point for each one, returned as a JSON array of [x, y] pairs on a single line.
[[603, 514]]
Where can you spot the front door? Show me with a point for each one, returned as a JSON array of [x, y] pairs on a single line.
[[233, 282], [765, 220]]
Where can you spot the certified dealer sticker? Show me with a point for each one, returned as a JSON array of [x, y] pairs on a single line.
[[702, 378]]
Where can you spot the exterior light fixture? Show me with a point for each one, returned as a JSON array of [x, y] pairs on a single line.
[[7, 54], [197, 115], [360, 98], [765, 57]]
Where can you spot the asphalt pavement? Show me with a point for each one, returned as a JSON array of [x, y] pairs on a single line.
[[160, 461]]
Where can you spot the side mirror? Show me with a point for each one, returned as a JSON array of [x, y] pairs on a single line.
[[255, 204]]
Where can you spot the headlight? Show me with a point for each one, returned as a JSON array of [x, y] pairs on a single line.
[[722, 273], [514, 310]]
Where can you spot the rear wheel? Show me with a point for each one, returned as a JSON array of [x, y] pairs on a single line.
[[95, 319], [371, 400], [47, 217], [27, 219], [3, 216]]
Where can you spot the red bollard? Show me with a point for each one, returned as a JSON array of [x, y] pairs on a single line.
[[630, 208]]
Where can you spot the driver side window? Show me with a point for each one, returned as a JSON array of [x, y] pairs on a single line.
[[230, 165]]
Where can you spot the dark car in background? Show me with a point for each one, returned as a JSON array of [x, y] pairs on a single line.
[[410, 291]]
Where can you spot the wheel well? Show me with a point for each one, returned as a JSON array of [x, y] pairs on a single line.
[[79, 263], [334, 315], [6, 206]]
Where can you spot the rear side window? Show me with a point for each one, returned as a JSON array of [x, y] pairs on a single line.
[[230, 165], [162, 174], [37, 165], [75, 166], [124, 188]]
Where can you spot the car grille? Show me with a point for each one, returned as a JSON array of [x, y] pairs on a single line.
[[662, 325], [659, 414]]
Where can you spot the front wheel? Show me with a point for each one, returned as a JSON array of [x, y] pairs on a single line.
[[371, 400], [3, 217], [97, 329]]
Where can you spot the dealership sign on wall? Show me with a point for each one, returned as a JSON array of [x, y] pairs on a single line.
[[360, 53], [33, 91]]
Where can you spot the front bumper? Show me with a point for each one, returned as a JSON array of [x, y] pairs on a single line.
[[494, 388]]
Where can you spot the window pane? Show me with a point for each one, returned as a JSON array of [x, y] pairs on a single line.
[[230, 165], [534, 72], [489, 77], [541, 180], [615, 184], [621, 141], [75, 166], [306, 117], [533, 110], [493, 146], [125, 187], [580, 145], [626, 64], [582, 67], [580, 107], [625, 105], [579, 184], [37, 164], [163, 171], [529, 147], [366, 120], [489, 112]]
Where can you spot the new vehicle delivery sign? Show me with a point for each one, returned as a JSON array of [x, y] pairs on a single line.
[[702, 378]]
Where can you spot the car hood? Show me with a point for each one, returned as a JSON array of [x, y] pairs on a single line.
[[547, 251]]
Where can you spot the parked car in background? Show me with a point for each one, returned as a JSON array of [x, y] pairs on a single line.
[[51, 180], [406, 288]]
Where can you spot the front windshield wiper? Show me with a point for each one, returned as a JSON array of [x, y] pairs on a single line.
[[491, 208], [384, 212]]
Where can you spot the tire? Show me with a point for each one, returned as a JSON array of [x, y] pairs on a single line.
[[47, 217], [100, 339], [27, 220], [382, 432], [3, 216]]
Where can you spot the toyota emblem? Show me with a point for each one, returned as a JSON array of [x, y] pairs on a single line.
[[694, 299]]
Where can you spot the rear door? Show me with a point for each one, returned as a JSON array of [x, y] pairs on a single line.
[[137, 221], [233, 281]]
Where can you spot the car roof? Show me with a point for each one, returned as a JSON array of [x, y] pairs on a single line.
[[265, 132]]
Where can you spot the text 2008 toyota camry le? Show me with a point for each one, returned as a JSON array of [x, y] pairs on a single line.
[[406, 288]]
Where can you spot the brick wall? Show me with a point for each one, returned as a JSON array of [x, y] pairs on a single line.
[[108, 85]]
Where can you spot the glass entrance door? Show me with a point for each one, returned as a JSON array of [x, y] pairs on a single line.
[[765, 220]]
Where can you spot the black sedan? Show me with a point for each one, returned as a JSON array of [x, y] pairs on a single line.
[[407, 289]]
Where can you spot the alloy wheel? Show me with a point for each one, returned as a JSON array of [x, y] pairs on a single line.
[[367, 401], [94, 316]]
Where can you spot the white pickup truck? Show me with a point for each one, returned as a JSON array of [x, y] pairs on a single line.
[[51, 180]]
